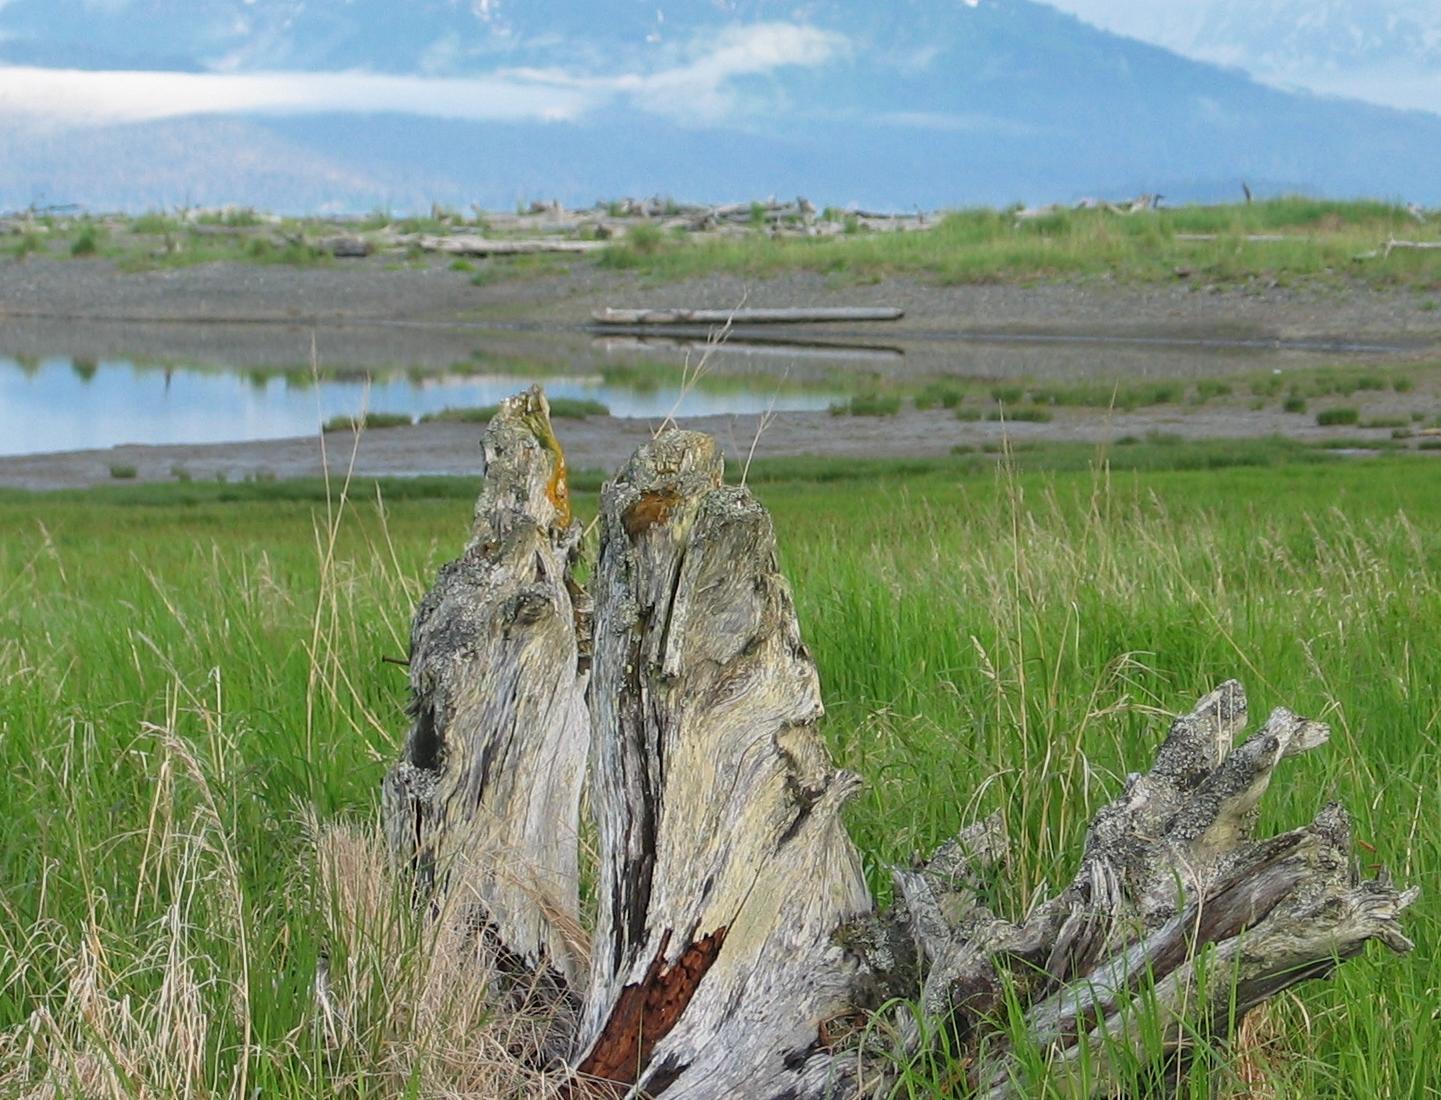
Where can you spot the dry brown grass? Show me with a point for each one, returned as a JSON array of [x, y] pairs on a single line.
[[409, 1000], [423, 1002]]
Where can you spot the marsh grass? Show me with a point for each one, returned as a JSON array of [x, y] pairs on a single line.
[[1030, 414], [1323, 241], [945, 393], [86, 242], [194, 719], [561, 408], [29, 244], [868, 404], [982, 245], [366, 421]]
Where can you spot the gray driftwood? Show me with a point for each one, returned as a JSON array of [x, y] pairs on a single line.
[[487, 794], [736, 950], [1394, 245], [470, 245], [801, 315]]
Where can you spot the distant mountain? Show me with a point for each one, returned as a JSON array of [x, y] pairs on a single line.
[[1311, 35], [912, 103], [1387, 51]]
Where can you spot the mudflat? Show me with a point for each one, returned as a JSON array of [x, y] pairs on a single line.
[[425, 316]]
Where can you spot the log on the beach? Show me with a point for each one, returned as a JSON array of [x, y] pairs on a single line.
[[775, 348], [795, 316], [1252, 238], [469, 245], [736, 949], [1394, 245]]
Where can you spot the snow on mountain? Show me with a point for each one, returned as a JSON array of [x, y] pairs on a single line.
[[1385, 51], [354, 103]]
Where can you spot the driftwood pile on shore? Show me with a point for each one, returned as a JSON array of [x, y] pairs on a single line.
[[736, 949], [540, 228], [553, 228], [550, 227]]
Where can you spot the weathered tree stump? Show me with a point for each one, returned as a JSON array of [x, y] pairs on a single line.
[[736, 950]]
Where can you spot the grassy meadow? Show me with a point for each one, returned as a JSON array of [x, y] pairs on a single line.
[[196, 711], [1322, 241]]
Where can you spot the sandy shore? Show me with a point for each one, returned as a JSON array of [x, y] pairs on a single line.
[[368, 292], [603, 443], [365, 314]]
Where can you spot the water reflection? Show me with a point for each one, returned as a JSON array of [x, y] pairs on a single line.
[[68, 404]]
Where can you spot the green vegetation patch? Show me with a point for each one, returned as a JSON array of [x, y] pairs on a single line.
[[868, 404], [1204, 244], [1106, 395], [942, 393], [1337, 243], [561, 408], [366, 421], [1032, 414], [189, 682]]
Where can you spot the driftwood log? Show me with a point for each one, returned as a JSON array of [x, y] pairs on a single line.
[[1394, 245], [461, 244], [736, 950], [791, 316], [701, 341]]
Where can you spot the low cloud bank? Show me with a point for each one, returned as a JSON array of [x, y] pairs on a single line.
[[699, 90]]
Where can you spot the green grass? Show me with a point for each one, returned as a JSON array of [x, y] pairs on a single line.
[[29, 242], [868, 404], [1105, 395], [1322, 242], [945, 393], [241, 217], [1341, 415], [1208, 389], [86, 242], [291, 253], [987, 245], [154, 224], [561, 408], [367, 421], [1032, 414], [187, 249], [191, 674]]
